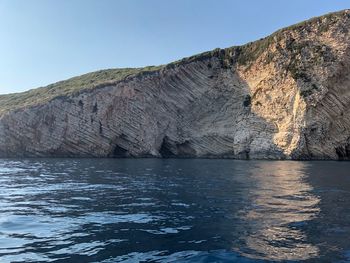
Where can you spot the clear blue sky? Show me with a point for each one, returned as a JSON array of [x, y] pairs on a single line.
[[44, 41]]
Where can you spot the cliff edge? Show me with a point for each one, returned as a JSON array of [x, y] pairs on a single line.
[[286, 96]]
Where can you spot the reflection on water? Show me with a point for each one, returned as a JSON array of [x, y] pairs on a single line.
[[107, 210], [281, 202]]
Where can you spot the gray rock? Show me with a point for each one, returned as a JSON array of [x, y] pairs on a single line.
[[283, 97]]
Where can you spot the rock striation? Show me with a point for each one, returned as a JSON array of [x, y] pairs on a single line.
[[286, 96]]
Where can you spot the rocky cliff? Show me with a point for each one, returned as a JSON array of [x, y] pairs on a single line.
[[286, 96]]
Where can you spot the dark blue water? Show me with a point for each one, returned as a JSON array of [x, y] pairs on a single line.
[[150, 210]]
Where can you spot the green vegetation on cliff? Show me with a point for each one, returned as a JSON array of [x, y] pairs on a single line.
[[251, 51], [68, 87], [243, 55]]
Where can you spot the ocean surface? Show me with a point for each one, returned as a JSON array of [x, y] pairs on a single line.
[[153, 210]]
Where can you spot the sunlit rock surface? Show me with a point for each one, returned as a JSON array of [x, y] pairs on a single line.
[[283, 97]]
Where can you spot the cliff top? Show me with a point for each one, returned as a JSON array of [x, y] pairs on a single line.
[[245, 55], [68, 87]]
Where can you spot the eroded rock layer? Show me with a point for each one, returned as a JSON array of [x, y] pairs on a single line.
[[283, 97]]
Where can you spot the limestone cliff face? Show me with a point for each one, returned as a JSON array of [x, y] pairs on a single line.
[[283, 97]]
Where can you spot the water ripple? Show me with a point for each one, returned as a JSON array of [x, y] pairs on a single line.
[[106, 210]]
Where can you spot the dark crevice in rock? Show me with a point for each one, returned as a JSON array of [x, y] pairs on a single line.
[[185, 149], [247, 101], [120, 151], [247, 154], [343, 152], [169, 149], [94, 109], [165, 149]]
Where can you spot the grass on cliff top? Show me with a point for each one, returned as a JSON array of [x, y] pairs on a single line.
[[68, 87], [247, 54], [251, 51]]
